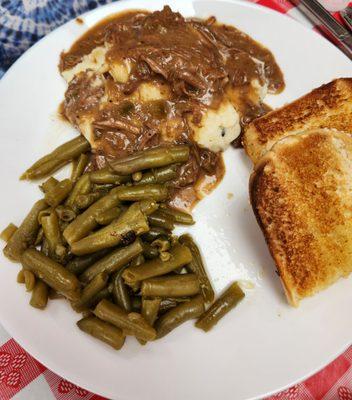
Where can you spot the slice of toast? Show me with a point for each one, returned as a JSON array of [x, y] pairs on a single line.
[[301, 194], [329, 106]]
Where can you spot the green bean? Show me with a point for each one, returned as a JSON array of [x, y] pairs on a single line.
[[50, 225], [197, 267], [52, 273], [154, 233], [151, 158], [26, 234], [58, 193], [92, 289], [180, 217], [44, 247], [139, 260], [106, 217], [103, 188], [150, 310], [39, 298], [171, 302], [131, 223], [65, 213], [86, 222], [180, 255], [8, 232], [160, 175], [84, 201], [137, 176], [130, 323], [161, 220], [80, 264], [108, 176], [20, 276], [150, 252], [112, 261], [44, 213], [29, 280], [120, 292], [154, 192], [103, 331], [161, 244], [48, 184], [82, 186], [103, 294], [39, 238], [57, 158], [171, 286], [225, 303], [78, 167], [178, 315], [136, 302]]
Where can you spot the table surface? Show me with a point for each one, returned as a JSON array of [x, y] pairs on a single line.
[[21, 376]]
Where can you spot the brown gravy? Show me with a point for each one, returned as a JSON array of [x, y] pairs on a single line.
[[199, 61]]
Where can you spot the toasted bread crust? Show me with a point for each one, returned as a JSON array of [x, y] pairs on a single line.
[[329, 106], [301, 194]]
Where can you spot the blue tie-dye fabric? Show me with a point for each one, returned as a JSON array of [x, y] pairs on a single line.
[[23, 22]]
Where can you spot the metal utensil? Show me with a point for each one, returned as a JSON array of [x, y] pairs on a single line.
[[327, 24], [347, 17]]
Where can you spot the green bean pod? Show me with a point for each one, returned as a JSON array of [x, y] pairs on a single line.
[[26, 234], [78, 167], [8, 232], [178, 315], [29, 280], [149, 251], [171, 286], [84, 201], [130, 323], [48, 184], [65, 213], [171, 302], [108, 176], [197, 267], [50, 225], [151, 158], [180, 217], [154, 233], [103, 331], [131, 223], [58, 193], [112, 261], [120, 291], [150, 310], [154, 192], [103, 294], [159, 175], [225, 303], [52, 273], [57, 159], [90, 291], [161, 220], [79, 264], [106, 217], [40, 293], [82, 186], [180, 255]]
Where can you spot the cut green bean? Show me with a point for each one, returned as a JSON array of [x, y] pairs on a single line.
[[39, 298], [82, 186], [103, 294], [149, 251], [50, 225], [137, 176], [84, 201], [57, 159], [103, 331], [112, 261], [65, 213], [108, 176], [103, 188], [151, 158], [90, 291], [79, 264], [78, 167], [130, 224], [161, 244], [130, 323], [58, 193], [120, 291], [149, 311], [106, 217], [180, 255], [8, 232], [26, 234], [29, 280], [159, 175], [154, 192], [154, 233], [39, 237], [171, 286], [48, 184], [171, 302], [52, 273], [178, 315], [225, 303], [180, 217], [161, 220], [197, 267]]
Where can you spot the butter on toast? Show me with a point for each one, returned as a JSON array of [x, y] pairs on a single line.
[[329, 106], [301, 194]]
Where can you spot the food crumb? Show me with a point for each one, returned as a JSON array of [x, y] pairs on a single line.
[[79, 20], [229, 196]]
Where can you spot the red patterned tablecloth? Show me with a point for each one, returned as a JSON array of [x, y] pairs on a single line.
[[23, 378]]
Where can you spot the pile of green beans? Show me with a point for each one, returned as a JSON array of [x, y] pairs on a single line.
[[103, 240]]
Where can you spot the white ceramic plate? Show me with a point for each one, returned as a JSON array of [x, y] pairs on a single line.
[[261, 347]]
